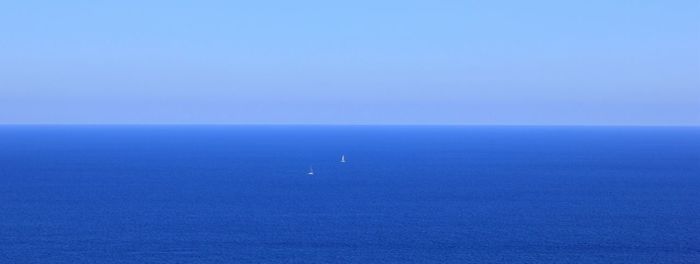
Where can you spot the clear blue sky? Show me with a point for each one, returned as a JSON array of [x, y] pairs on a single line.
[[351, 62]]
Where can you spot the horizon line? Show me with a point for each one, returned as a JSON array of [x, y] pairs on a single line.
[[351, 124]]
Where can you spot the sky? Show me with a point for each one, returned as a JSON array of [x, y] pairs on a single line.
[[593, 62]]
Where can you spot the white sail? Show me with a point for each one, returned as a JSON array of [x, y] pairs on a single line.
[[311, 170], [342, 159]]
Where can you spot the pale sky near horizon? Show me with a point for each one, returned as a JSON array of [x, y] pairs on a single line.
[[351, 62]]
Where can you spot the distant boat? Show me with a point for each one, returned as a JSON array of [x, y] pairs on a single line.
[[342, 159], [311, 171]]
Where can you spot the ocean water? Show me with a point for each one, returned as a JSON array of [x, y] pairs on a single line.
[[240, 194]]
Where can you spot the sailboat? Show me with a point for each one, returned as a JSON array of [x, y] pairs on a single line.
[[311, 171], [342, 159]]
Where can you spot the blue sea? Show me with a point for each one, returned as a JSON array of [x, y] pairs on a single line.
[[408, 194]]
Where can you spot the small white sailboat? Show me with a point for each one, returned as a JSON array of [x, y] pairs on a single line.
[[311, 171], [342, 159]]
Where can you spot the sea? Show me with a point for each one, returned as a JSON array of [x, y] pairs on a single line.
[[407, 194]]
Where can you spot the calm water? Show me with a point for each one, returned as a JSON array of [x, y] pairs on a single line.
[[227, 194]]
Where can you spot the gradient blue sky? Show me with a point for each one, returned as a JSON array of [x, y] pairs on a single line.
[[351, 62]]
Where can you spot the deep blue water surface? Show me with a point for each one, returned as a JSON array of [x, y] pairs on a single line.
[[240, 194]]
